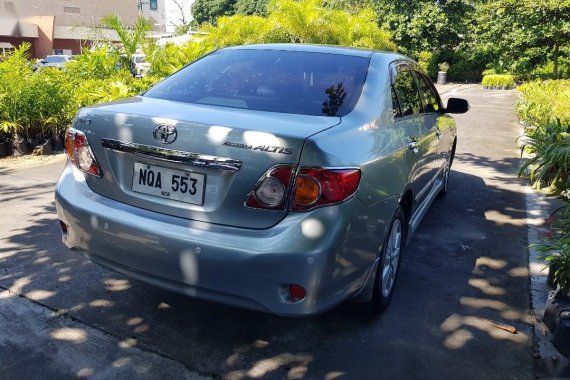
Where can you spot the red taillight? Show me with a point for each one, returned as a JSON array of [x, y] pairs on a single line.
[[334, 186], [271, 190], [314, 187], [79, 153], [296, 293]]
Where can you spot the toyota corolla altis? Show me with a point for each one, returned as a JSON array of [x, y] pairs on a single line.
[[282, 178]]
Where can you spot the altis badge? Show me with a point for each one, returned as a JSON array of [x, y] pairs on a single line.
[[261, 148]]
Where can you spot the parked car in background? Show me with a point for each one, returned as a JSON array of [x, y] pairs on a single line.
[[57, 61], [136, 64], [282, 178], [141, 66]]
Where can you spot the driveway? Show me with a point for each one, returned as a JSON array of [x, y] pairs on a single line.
[[467, 266]]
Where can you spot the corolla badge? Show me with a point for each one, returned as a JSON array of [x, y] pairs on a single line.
[[165, 134]]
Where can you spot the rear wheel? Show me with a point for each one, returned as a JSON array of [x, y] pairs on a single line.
[[389, 263]]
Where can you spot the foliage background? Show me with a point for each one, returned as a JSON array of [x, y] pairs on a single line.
[[523, 38], [41, 103], [528, 38]]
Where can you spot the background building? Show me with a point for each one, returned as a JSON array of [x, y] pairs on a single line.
[[154, 11], [60, 26]]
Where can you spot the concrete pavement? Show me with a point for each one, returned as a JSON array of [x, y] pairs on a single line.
[[467, 265]]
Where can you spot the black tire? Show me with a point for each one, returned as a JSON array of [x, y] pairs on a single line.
[[387, 272]]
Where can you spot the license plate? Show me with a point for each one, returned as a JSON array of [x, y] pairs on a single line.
[[168, 183]]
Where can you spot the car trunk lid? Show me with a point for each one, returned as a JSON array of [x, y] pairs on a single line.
[[222, 152]]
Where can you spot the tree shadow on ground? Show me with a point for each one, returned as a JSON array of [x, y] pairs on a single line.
[[468, 260]]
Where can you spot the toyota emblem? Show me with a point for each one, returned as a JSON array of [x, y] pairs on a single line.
[[165, 134]]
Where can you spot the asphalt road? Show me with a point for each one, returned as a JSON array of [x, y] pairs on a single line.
[[64, 317]]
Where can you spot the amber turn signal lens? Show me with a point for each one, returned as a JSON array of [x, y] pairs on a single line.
[[69, 146], [307, 190]]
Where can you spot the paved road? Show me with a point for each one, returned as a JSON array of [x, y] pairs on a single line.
[[63, 317]]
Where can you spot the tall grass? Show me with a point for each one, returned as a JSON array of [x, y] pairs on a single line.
[[544, 101], [545, 108]]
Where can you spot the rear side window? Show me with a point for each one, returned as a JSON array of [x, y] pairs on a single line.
[[429, 97], [407, 93], [269, 80]]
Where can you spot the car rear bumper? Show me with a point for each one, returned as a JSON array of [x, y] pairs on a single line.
[[325, 251]]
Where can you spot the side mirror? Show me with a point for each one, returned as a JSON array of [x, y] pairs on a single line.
[[43, 61], [457, 105]]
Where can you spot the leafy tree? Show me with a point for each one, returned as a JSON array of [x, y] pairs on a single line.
[[305, 21], [351, 6], [131, 38], [425, 25], [251, 7], [519, 35], [208, 11], [15, 71], [92, 64]]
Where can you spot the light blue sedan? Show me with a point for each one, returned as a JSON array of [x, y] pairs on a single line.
[[282, 178]]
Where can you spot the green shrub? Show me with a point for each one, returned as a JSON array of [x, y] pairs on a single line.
[[463, 66], [498, 80], [306, 21], [545, 108], [557, 246], [98, 64], [443, 66], [542, 102], [546, 71], [550, 164], [424, 60], [50, 94], [42, 103], [16, 105]]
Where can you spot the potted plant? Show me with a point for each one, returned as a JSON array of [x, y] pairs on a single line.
[[19, 144], [442, 74]]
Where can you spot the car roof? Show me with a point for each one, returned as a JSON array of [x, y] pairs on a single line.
[[327, 49]]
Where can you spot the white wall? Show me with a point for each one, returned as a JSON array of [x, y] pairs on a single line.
[[173, 15], [158, 16]]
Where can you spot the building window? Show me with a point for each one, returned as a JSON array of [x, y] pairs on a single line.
[[71, 9], [153, 5]]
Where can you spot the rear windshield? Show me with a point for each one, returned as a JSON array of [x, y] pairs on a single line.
[[268, 80]]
